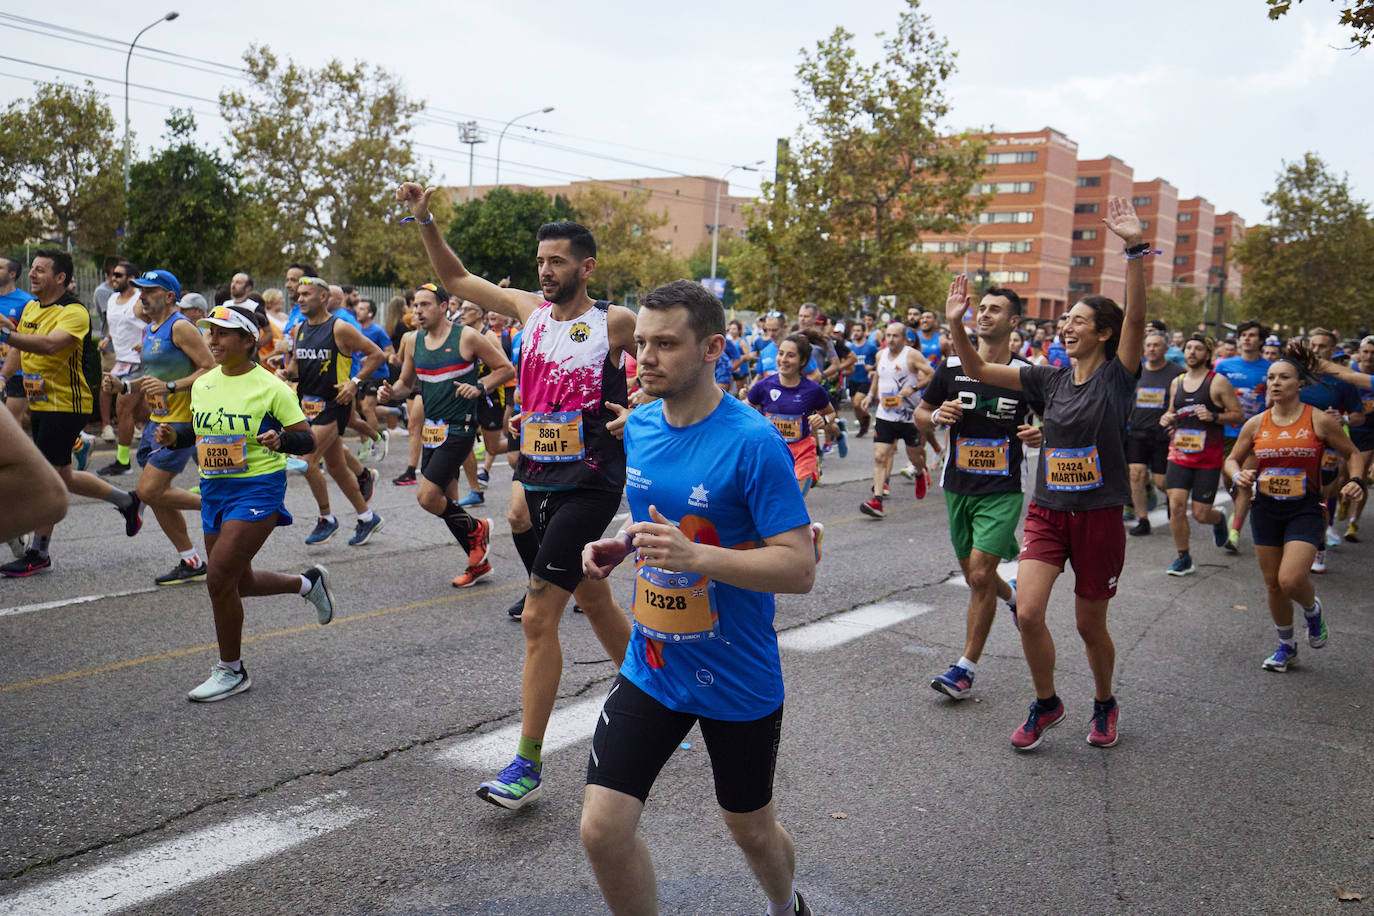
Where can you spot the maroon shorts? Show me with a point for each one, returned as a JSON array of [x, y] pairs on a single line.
[[1094, 541]]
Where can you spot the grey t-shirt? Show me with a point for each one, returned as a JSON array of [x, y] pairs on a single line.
[[1083, 458]]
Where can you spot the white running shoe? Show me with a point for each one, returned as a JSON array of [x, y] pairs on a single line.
[[222, 682], [1319, 562]]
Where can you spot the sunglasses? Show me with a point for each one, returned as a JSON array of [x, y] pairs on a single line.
[[118, 276], [223, 312], [311, 281], [429, 286]]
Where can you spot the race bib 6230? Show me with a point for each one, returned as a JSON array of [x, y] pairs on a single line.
[[221, 455]]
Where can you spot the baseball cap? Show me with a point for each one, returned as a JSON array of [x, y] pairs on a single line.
[[194, 301], [839, 327], [163, 279], [226, 316]]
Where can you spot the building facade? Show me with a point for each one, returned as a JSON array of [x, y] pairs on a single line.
[[1193, 244]]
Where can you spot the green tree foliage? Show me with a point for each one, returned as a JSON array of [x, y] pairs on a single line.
[[495, 234], [1358, 15], [629, 256], [321, 150], [869, 172], [1312, 263], [60, 174], [183, 205]]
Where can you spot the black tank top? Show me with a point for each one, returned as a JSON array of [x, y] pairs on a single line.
[[320, 367]]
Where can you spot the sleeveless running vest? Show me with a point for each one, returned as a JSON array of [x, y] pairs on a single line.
[[320, 367], [1289, 458], [894, 374], [164, 360], [1195, 444], [438, 371], [566, 377], [930, 349]]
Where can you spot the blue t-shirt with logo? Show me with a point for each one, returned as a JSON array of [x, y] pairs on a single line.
[[728, 481], [1249, 377], [383, 340], [12, 304], [866, 354], [1329, 392]]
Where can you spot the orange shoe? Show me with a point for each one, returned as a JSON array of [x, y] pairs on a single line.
[[921, 484], [479, 542], [471, 575]]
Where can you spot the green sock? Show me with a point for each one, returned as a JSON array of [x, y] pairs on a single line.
[[529, 749], [122, 453]]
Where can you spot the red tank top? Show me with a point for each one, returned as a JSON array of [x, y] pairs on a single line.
[[1289, 457]]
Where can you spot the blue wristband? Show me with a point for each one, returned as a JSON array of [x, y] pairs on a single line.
[[411, 219]]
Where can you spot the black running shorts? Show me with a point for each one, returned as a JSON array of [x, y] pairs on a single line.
[[440, 465], [566, 521], [55, 432]]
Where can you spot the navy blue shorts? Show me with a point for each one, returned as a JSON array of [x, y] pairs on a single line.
[[1275, 522], [248, 499], [163, 457]]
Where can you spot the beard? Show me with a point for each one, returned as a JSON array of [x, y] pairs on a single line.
[[564, 293]]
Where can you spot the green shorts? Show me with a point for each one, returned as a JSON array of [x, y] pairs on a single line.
[[986, 522]]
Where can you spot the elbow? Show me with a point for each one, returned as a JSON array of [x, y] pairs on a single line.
[[804, 576]]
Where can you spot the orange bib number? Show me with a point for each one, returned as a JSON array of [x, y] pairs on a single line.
[[1149, 398], [157, 403], [34, 388], [1331, 460], [788, 424], [983, 456], [1283, 483], [221, 455], [1073, 469], [312, 406], [675, 607], [435, 433], [891, 402], [1190, 441], [553, 436]]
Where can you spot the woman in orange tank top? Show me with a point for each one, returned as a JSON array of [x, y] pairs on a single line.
[[1286, 520]]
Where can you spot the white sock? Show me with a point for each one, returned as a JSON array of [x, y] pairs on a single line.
[[190, 556], [1310, 611], [306, 586], [967, 665], [330, 518], [235, 665], [365, 516], [783, 909]]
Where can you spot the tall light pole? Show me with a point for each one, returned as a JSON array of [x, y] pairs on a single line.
[[469, 133], [127, 59], [715, 223], [503, 136]]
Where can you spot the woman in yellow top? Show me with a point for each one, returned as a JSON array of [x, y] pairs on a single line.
[[243, 420]]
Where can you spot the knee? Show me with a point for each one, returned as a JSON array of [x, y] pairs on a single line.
[[1138, 473], [149, 492], [1201, 511], [754, 835], [1178, 502], [601, 836], [220, 582], [1290, 582], [519, 519], [980, 578], [432, 501]]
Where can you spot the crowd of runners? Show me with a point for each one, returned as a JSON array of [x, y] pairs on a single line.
[[714, 433]]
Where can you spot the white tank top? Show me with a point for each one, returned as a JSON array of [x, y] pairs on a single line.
[[894, 374], [126, 330]]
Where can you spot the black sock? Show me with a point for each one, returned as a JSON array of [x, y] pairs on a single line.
[[1104, 704], [1048, 705], [527, 545], [459, 522], [40, 543], [410, 469]]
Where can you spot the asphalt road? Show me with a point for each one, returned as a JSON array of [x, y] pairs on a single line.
[[343, 781]]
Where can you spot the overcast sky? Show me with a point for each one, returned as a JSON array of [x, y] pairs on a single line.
[[1208, 94]]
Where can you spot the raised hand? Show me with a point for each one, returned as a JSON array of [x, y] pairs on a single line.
[[1122, 220], [957, 303], [417, 198]]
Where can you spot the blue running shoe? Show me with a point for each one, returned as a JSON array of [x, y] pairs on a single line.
[[82, 452], [954, 683], [1221, 531], [1283, 656], [364, 530], [295, 464], [1182, 566], [324, 530], [1316, 626], [474, 498], [842, 443], [517, 786], [1011, 605], [484, 475]]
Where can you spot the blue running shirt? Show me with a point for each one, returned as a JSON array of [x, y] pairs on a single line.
[[1249, 377], [728, 481]]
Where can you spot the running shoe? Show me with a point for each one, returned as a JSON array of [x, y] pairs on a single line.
[[817, 532], [1182, 566], [1103, 731], [1141, 529], [31, 562], [1319, 562], [367, 482], [518, 785], [223, 682], [921, 485], [296, 464], [107, 433], [479, 449], [1342, 510], [954, 683], [1031, 732], [887, 487], [479, 542], [1011, 605], [133, 516], [194, 491], [182, 572], [1283, 656], [1332, 538], [319, 594], [484, 475], [17, 547], [1352, 532], [1221, 531], [365, 530], [81, 453], [407, 478], [516, 610], [474, 498], [116, 468], [873, 508], [365, 450], [470, 575], [382, 447], [800, 906], [324, 530], [909, 472], [1316, 626], [1151, 497], [842, 443], [1233, 541]]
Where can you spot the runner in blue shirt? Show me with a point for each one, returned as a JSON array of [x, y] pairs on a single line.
[[865, 350], [718, 529], [1339, 399], [1248, 373], [12, 302]]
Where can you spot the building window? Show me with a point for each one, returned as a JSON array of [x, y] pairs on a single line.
[[1009, 276], [1012, 158], [1004, 187], [1080, 289], [1183, 240], [1082, 260], [1008, 216], [1185, 217], [1009, 247], [1085, 208], [1020, 247], [1140, 201], [1089, 181], [1144, 224], [1084, 235], [1180, 260], [1219, 230], [1218, 249]]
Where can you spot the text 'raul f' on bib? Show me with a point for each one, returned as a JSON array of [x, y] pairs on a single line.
[[983, 456], [435, 433], [1283, 483], [1073, 468], [789, 425], [1190, 440], [311, 406], [675, 606], [554, 436], [157, 402], [219, 455], [34, 389]]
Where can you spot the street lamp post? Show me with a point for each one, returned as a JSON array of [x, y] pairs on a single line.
[[128, 58], [503, 136], [715, 223]]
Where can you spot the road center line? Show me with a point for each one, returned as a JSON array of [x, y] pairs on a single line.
[[848, 626], [490, 750], [171, 865], [63, 602]]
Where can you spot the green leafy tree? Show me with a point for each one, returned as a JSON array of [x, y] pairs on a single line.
[[629, 256], [183, 207], [1357, 15], [495, 235], [61, 172], [1312, 263], [321, 150], [868, 172]]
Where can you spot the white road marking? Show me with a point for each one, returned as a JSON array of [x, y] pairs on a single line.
[[1006, 570], [492, 750], [174, 864], [851, 625], [63, 602]]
